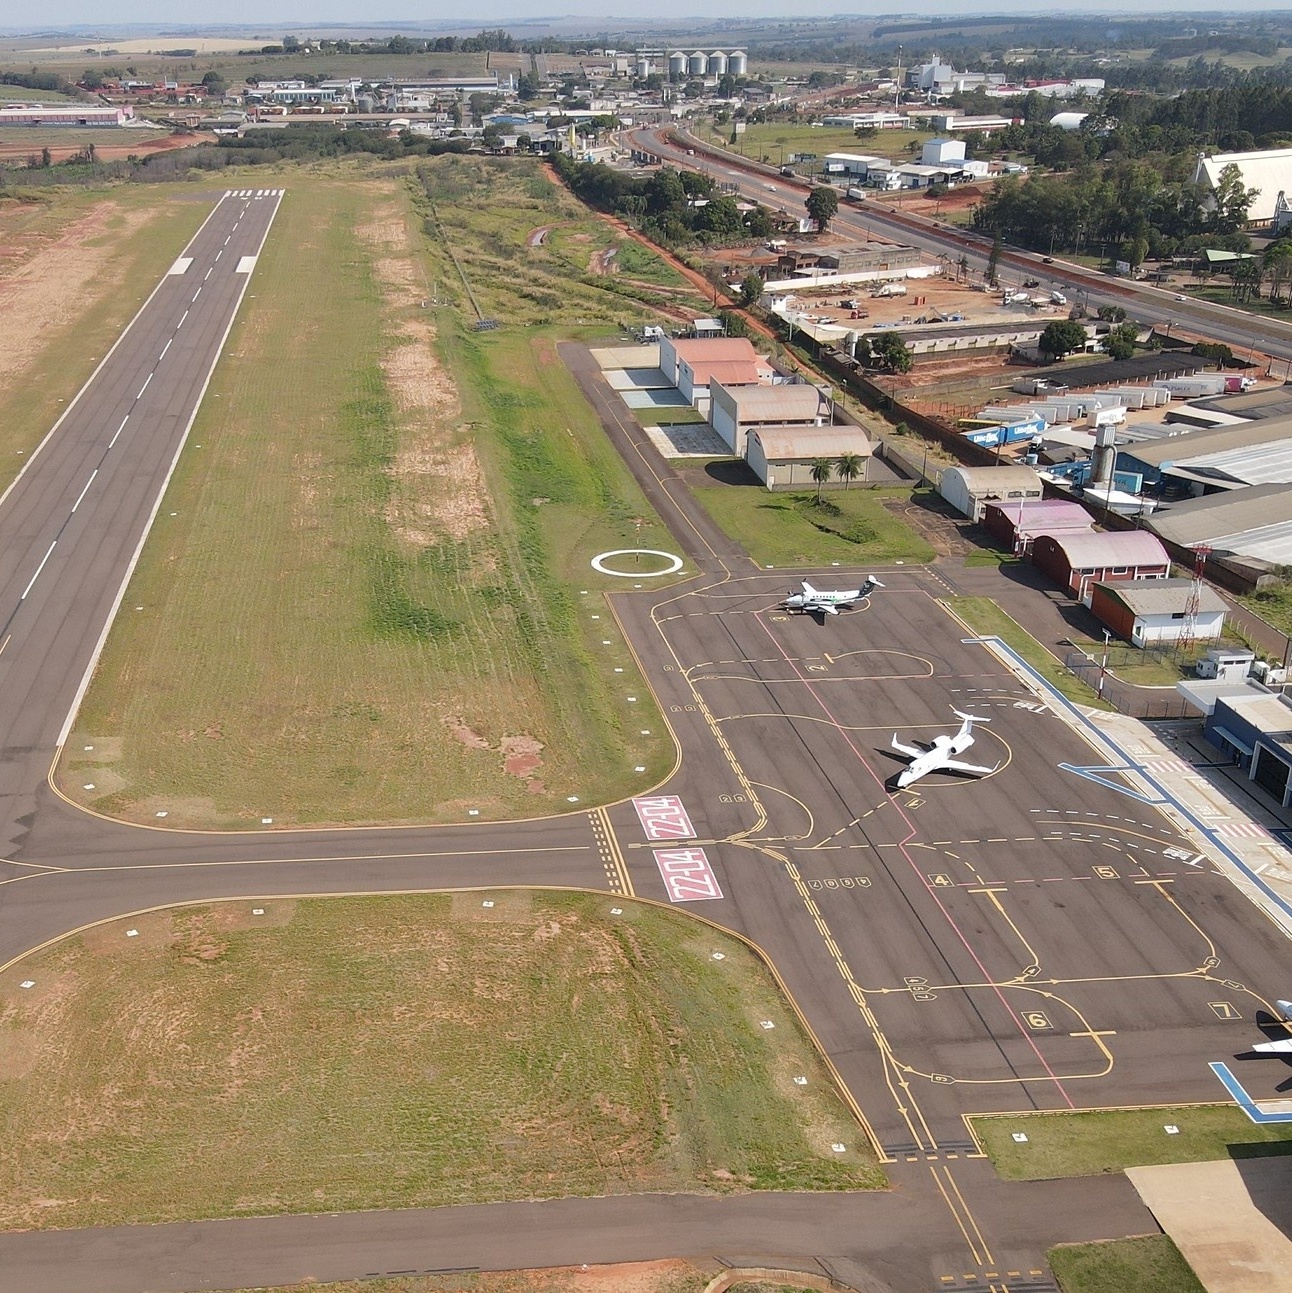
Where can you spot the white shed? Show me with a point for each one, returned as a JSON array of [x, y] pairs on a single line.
[[969, 489]]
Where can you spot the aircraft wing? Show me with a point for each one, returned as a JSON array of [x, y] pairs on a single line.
[[828, 607], [1283, 1047], [909, 750], [956, 766]]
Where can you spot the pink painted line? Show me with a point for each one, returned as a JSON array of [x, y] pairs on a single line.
[[688, 877]]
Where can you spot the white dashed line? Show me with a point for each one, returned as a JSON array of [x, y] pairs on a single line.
[[144, 387], [39, 568], [165, 348], [120, 429], [219, 253], [182, 317], [204, 278], [86, 490], [197, 294]]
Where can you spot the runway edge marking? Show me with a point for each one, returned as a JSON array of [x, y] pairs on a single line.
[[84, 685]]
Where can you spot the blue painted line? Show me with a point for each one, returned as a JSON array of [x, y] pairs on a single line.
[[1242, 1099], [1058, 701], [1092, 772]]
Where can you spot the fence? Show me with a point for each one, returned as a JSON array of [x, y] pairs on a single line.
[[1125, 697]]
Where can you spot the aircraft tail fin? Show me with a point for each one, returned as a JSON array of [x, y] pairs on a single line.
[[970, 719]]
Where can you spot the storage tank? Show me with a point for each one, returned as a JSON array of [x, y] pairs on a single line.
[[717, 63], [738, 62], [677, 65], [698, 63], [643, 69], [850, 343]]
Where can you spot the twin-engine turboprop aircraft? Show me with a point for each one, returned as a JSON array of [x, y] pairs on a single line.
[[809, 600], [940, 756]]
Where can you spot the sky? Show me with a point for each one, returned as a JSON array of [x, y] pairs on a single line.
[[100, 15]]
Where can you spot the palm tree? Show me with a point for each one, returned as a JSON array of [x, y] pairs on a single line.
[[822, 470], [848, 466]]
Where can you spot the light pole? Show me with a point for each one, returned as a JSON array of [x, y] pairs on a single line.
[[1103, 665]]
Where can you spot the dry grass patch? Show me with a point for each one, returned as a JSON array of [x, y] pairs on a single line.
[[400, 1052]]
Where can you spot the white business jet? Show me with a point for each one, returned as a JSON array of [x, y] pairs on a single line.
[[1284, 1045], [809, 600], [941, 754]]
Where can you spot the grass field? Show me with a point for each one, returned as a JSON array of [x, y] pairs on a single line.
[[1147, 1264], [75, 267], [375, 601], [983, 616], [776, 141], [789, 529], [344, 1054], [1087, 1144]]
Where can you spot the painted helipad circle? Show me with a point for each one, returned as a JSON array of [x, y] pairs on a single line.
[[599, 563]]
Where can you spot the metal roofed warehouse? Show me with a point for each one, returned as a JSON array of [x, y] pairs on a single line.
[[1255, 523]]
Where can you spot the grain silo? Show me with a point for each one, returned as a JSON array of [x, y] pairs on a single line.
[[698, 63], [738, 63], [717, 63], [677, 65]]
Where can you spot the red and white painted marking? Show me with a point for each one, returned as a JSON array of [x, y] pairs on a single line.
[[688, 877], [663, 817]]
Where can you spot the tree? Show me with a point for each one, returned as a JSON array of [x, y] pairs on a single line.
[[822, 470], [993, 260], [822, 204], [848, 466], [1110, 313], [93, 79], [527, 87], [1232, 200], [892, 353], [1120, 342], [291, 44], [1062, 337], [751, 289]]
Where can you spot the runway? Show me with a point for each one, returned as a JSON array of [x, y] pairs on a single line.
[[1033, 940]]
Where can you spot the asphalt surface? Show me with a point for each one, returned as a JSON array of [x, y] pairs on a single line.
[[1021, 942]]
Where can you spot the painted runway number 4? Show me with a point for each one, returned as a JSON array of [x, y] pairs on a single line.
[[687, 875]]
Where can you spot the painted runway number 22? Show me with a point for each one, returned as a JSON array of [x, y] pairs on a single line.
[[688, 877]]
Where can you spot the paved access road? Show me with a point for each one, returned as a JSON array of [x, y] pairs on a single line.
[[1037, 940]]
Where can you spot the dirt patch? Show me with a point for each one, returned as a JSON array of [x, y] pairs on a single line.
[[472, 740], [603, 262], [47, 283], [521, 755], [109, 151]]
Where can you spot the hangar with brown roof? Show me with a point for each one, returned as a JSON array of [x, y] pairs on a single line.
[[1079, 561]]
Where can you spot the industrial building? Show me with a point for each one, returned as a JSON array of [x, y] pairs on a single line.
[[62, 114], [1148, 612], [970, 489], [1254, 730], [690, 364], [1268, 171], [782, 457], [1252, 524], [1076, 562], [1216, 459], [1016, 523], [736, 411]]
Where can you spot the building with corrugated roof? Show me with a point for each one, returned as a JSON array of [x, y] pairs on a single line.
[[1149, 611], [1214, 459], [1268, 171], [782, 457], [1254, 523], [735, 411], [1254, 730], [1017, 522], [1079, 561], [970, 489], [690, 364]]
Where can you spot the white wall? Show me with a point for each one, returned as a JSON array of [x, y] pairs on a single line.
[[1150, 629]]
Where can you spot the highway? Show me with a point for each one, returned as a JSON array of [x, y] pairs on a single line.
[[1243, 332], [1031, 941]]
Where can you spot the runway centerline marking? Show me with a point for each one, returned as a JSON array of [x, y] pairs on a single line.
[[119, 430], [165, 348], [85, 491], [144, 387], [36, 576], [182, 317]]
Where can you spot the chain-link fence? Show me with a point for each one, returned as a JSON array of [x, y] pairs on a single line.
[[1138, 702]]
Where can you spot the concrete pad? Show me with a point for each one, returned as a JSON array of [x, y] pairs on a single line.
[[245, 265], [1231, 1219], [656, 399], [627, 379], [627, 356], [689, 441], [181, 265]]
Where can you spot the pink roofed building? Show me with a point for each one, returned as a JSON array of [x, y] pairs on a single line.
[[1016, 523]]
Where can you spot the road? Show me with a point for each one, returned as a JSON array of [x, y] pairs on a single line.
[[1244, 333], [1036, 940]]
